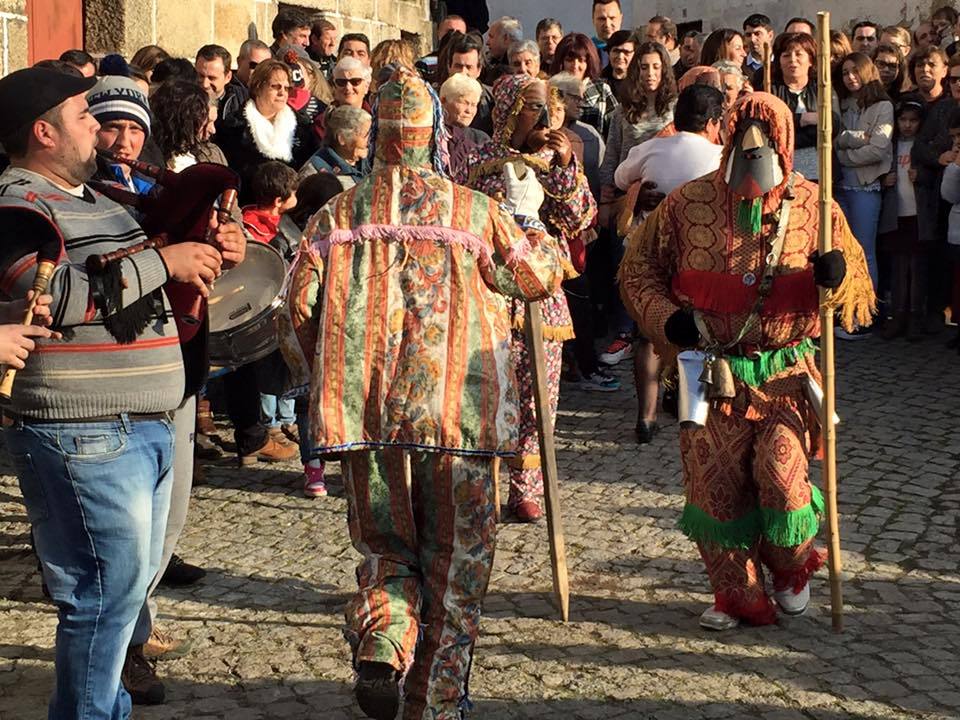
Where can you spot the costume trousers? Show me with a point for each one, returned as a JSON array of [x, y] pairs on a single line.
[[526, 477], [750, 504], [427, 553]]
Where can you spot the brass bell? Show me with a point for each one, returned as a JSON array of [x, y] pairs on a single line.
[[706, 377], [722, 376]]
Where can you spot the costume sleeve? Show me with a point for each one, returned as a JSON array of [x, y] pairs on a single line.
[[612, 156], [855, 299], [569, 206], [869, 151], [526, 264], [298, 322], [645, 274], [22, 231]]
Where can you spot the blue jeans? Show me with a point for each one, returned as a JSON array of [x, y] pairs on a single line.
[[97, 496], [276, 411], [862, 209]]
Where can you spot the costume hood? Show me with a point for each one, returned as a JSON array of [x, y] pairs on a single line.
[[408, 125], [775, 113], [507, 103]]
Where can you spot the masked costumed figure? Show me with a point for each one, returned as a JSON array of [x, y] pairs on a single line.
[[727, 264], [524, 115], [397, 313]]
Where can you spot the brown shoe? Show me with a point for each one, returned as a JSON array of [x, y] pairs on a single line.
[[139, 677], [205, 424], [163, 646], [272, 451]]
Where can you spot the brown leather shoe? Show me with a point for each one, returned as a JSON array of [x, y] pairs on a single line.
[[139, 677], [272, 451], [163, 646], [205, 424], [292, 433]]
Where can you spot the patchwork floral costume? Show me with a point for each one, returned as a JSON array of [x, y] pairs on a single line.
[[568, 210], [397, 316]]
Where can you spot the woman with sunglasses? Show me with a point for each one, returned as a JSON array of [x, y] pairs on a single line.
[[267, 129], [351, 86]]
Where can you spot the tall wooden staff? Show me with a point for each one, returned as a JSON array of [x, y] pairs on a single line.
[[533, 328], [824, 147], [767, 76]]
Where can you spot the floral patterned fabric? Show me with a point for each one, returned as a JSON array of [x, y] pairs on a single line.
[[428, 550], [398, 310]]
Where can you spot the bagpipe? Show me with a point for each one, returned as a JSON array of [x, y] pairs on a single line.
[[242, 304], [177, 209]]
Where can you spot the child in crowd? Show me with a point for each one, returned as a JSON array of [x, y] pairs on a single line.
[[907, 258], [274, 192], [950, 191]]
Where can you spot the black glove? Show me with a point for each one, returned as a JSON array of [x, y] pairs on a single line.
[[829, 270], [681, 330]]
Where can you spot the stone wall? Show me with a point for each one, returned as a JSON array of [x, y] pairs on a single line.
[[181, 27], [13, 35]]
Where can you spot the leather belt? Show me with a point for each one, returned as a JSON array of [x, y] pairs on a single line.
[[10, 419]]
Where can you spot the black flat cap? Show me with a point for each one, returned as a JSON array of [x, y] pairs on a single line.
[[27, 94]]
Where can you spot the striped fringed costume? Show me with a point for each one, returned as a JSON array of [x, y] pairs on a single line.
[[396, 314], [749, 499], [568, 210]]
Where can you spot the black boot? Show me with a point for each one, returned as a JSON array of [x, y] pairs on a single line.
[[378, 690], [180, 573]]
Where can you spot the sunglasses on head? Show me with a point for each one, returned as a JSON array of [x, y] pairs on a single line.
[[342, 82]]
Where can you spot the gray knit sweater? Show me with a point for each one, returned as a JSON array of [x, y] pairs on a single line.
[[86, 374]]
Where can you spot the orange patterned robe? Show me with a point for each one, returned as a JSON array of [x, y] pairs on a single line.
[[749, 500]]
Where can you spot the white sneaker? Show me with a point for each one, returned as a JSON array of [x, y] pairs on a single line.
[[713, 619], [792, 603]]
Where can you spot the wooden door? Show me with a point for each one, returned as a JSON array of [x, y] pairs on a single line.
[[52, 27]]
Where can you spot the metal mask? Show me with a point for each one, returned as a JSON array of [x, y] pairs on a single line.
[[544, 119], [753, 168]]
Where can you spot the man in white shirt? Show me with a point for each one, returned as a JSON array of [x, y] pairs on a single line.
[[665, 163]]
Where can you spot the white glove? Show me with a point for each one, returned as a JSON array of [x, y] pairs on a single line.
[[524, 193]]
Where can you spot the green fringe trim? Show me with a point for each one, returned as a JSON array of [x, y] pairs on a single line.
[[793, 527], [755, 371], [741, 533], [781, 528], [750, 215]]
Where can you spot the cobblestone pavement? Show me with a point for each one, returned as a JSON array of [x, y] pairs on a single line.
[[266, 621]]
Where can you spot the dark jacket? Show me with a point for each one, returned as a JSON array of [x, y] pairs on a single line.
[[483, 120], [931, 142], [244, 157], [235, 95], [326, 159]]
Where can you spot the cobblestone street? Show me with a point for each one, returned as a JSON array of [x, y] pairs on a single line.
[[266, 620]]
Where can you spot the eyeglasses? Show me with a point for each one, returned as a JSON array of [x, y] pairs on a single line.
[[886, 65], [342, 82], [954, 78], [279, 87]]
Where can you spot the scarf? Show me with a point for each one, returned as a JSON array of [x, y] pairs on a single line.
[[273, 139]]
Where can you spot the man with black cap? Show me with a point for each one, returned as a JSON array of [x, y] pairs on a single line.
[[91, 441]]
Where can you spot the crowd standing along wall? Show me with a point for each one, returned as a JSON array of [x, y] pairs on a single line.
[[181, 26]]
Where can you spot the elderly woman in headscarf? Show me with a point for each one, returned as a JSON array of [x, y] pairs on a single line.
[[727, 264], [526, 121], [397, 316]]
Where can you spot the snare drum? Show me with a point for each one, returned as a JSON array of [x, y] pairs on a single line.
[[243, 306]]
